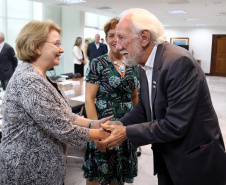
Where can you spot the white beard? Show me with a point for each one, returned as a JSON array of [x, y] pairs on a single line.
[[138, 52]]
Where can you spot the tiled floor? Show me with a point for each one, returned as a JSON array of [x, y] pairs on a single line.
[[217, 85]]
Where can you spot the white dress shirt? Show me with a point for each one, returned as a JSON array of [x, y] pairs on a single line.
[[148, 69], [97, 45], [1, 46]]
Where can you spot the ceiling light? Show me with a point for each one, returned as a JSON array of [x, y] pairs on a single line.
[[200, 25], [71, 1], [176, 11], [179, 2], [191, 19]]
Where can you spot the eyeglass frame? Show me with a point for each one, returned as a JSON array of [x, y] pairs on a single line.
[[55, 42]]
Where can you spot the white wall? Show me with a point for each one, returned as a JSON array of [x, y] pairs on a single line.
[[72, 27], [200, 41], [54, 13]]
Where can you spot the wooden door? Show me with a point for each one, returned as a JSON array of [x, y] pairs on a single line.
[[218, 57]]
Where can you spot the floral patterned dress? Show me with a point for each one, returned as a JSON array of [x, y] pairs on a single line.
[[114, 97]]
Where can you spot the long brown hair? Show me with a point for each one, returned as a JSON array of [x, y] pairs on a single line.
[[78, 43]]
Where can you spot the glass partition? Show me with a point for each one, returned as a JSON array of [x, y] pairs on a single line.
[[15, 14]]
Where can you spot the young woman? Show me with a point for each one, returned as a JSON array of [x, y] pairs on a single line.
[[79, 60]]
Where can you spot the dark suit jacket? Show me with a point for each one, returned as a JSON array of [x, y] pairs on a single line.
[[185, 130], [106, 47], [93, 52], [8, 62]]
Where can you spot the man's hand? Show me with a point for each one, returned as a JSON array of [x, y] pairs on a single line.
[[118, 135], [96, 123]]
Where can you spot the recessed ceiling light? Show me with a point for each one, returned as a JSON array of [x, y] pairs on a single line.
[[200, 25], [191, 19], [71, 1], [176, 11]]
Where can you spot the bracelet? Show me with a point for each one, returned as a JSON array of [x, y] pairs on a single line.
[[90, 123]]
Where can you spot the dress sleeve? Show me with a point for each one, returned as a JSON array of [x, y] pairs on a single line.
[[93, 72], [50, 112]]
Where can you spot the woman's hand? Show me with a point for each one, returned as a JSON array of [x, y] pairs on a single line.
[[96, 123], [114, 123], [100, 146]]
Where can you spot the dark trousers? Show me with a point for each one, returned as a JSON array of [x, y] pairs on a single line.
[[79, 68], [4, 83], [163, 173]]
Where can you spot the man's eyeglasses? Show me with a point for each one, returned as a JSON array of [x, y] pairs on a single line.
[[56, 42]]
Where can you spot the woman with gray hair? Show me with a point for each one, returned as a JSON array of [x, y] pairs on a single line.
[[38, 122]]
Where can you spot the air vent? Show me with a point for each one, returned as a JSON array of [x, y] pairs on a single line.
[[104, 8], [223, 13]]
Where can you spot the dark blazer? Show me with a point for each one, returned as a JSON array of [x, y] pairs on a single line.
[[93, 52], [185, 130], [8, 62], [106, 47]]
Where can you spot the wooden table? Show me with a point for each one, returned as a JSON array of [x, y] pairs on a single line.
[[79, 90]]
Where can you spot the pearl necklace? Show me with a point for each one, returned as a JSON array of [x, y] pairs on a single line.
[[121, 67]]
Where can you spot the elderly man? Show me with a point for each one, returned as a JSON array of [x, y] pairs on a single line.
[[8, 61], [96, 49], [175, 113]]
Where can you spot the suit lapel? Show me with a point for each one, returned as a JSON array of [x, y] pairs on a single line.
[[156, 72]]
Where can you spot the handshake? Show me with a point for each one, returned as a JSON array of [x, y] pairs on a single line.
[[113, 132]]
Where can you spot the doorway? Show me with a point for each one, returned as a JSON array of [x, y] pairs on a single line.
[[218, 56]]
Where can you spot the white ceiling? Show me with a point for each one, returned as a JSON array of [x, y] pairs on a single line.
[[209, 12]]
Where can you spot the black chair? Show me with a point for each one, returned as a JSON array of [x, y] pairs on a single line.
[[52, 71], [52, 74], [83, 112], [77, 75], [1, 88]]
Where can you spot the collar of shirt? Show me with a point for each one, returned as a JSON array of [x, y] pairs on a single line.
[[148, 70], [150, 62], [1, 46]]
